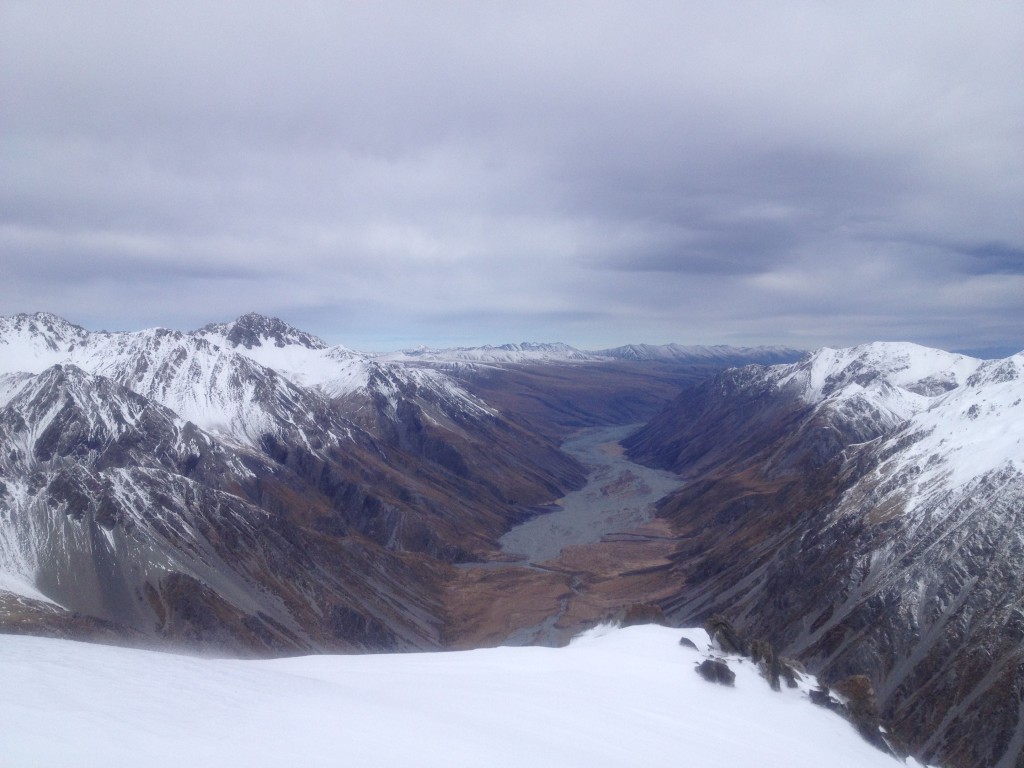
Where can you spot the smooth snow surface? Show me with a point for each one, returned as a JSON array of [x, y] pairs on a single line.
[[613, 698]]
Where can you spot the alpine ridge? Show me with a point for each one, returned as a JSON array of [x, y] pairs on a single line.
[[862, 509]]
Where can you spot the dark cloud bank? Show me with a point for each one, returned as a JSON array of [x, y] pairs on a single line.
[[388, 174]]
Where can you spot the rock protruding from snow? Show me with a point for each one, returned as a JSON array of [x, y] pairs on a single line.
[[856, 697], [716, 671]]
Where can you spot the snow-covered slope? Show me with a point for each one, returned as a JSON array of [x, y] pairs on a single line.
[[31, 343], [901, 375], [612, 698], [334, 371], [943, 419], [219, 390], [865, 392], [222, 391], [243, 380], [974, 430], [303, 358]]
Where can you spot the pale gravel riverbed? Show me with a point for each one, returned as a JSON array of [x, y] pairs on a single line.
[[619, 495]]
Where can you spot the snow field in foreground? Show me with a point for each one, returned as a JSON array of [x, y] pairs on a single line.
[[626, 697]]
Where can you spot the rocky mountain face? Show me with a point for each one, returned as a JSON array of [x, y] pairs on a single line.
[[160, 485], [117, 509], [862, 510]]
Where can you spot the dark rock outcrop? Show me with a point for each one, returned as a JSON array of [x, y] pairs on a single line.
[[716, 671], [763, 654], [725, 636], [861, 707]]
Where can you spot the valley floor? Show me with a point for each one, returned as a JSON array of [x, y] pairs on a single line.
[[619, 496]]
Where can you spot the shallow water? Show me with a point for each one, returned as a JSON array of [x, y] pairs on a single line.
[[619, 495]]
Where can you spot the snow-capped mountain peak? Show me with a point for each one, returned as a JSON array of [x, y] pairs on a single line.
[[303, 358], [32, 343], [917, 369], [45, 324], [256, 330]]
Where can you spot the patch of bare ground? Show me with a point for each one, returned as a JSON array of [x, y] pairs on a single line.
[[488, 604], [581, 587], [619, 554], [612, 449], [616, 573], [21, 615]]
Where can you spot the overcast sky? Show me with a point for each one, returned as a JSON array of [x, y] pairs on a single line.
[[388, 174]]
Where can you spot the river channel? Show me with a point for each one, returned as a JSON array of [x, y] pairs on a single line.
[[619, 496]]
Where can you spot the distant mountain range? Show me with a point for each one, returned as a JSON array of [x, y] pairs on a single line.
[[249, 488], [718, 354], [563, 353]]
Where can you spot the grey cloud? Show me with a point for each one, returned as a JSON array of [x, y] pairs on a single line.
[[736, 248], [671, 172], [997, 258]]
